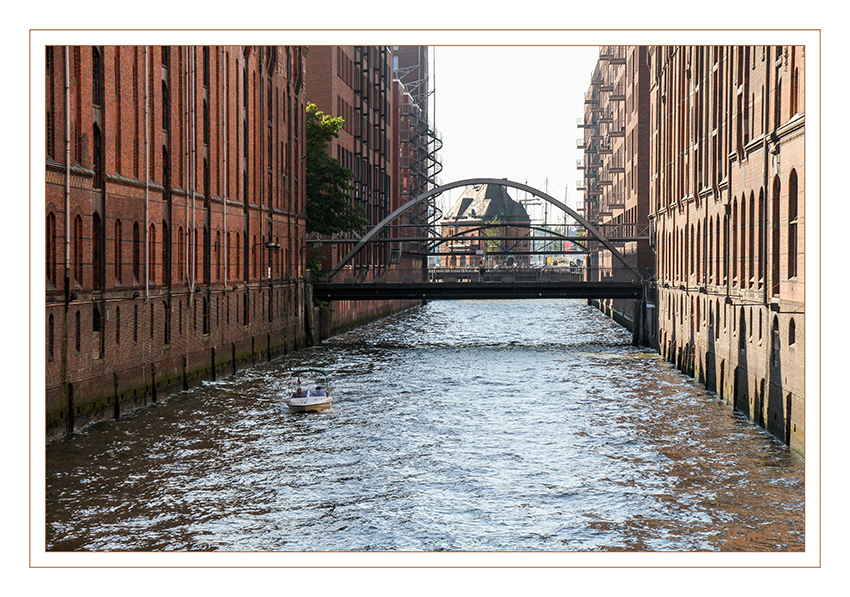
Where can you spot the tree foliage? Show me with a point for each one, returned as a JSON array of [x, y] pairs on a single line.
[[493, 229], [329, 208]]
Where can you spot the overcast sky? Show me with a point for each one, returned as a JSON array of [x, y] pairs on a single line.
[[510, 112]]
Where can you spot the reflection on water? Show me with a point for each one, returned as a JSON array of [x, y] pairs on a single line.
[[462, 426]]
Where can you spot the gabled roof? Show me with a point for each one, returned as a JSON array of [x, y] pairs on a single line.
[[485, 202]]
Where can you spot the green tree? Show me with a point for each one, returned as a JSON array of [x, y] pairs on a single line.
[[329, 208], [493, 229]]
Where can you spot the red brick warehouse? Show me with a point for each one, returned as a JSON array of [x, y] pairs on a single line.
[[174, 219]]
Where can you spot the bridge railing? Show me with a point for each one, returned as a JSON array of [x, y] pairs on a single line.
[[468, 274]]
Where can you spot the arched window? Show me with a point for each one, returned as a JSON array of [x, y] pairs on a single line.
[[181, 255], [50, 333], [166, 324], [734, 238], [751, 249], [743, 241], [761, 245], [152, 256], [711, 250], [254, 256], [50, 248], [775, 342], [96, 256], [774, 249], [137, 252], [119, 250], [97, 157], [238, 248], [792, 333], [196, 274], [97, 77], [217, 255], [78, 250], [792, 225], [166, 108], [722, 258]]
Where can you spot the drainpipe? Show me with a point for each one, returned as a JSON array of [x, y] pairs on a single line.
[[147, 180], [67, 176], [224, 158], [185, 255], [65, 390], [194, 170]]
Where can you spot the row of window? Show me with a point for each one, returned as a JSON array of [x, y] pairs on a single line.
[[275, 98], [700, 249], [231, 251], [241, 310], [710, 315], [707, 312]]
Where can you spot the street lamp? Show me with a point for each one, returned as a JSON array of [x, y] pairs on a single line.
[[271, 246]]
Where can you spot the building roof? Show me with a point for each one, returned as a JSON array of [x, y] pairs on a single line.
[[484, 202]]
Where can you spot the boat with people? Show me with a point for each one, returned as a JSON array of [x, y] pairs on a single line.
[[306, 398]]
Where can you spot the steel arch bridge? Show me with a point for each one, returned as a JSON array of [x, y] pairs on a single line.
[[570, 288]]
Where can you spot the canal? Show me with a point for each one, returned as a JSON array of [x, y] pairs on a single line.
[[460, 426]]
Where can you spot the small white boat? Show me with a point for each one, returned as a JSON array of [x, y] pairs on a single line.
[[310, 400]]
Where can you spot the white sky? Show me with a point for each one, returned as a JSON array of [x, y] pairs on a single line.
[[510, 112]]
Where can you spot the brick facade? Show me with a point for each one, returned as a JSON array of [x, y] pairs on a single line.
[[174, 220], [616, 168], [722, 156], [727, 206], [357, 83]]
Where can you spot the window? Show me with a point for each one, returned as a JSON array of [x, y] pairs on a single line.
[[98, 157], [119, 251], [96, 257], [166, 108], [50, 248], [77, 332], [775, 238], [792, 225], [792, 333], [78, 250], [50, 332], [135, 323], [166, 323], [152, 254], [775, 342], [97, 77], [218, 255], [137, 251], [117, 325]]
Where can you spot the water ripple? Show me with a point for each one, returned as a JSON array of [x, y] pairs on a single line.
[[473, 426]]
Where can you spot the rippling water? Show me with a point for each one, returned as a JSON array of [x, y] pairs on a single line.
[[461, 426]]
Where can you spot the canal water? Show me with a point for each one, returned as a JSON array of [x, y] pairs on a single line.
[[459, 426]]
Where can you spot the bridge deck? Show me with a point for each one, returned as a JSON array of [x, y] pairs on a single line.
[[475, 290]]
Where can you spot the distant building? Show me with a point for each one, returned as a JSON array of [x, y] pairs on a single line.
[[357, 83], [478, 206], [616, 170]]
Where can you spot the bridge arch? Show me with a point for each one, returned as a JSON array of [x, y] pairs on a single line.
[[422, 197]]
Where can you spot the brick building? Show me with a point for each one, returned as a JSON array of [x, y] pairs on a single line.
[[357, 83], [477, 206], [616, 169], [727, 209], [174, 219], [704, 146]]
